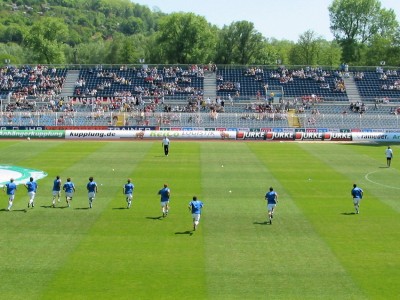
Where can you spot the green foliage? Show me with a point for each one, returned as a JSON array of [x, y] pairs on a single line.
[[86, 21], [46, 39], [283, 48], [11, 52], [132, 25], [91, 53], [355, 22], [13, 33], [185, 38], [306, 51], [312, 50], [241, 43], [330, 54], [188, 38], [268, 55]]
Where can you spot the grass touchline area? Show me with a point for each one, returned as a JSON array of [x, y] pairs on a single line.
[[316, 248]]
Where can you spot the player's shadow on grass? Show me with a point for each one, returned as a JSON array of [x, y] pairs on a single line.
[[348, 213], [155, 218], [15, 210], [51, 206], [81, 208], [262, 223], [120, 208], [188, 232]]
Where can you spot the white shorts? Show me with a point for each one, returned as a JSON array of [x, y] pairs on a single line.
[[56, 193], [164, 203], [11, 197], [129, 196], [91, 194], [271, 207], [31, 195], [69, 195], [356, 200], [196, 217]]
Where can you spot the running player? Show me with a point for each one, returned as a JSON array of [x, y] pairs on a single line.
[[10, 188], [195, 207], [165, 193], [128, 192], [272, 200], [92, 190], [56, 190], [31, 186], [69, 189]]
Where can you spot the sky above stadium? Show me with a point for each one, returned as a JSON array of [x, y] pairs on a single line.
[[284, 19]]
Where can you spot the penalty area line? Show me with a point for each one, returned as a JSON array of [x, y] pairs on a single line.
[[384, 185]]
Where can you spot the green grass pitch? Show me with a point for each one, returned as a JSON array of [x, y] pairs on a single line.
[[315, 249]]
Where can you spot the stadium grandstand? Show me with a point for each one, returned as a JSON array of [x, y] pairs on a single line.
[[200, 96]]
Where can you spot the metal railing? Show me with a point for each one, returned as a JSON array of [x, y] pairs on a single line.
[[201, 120]]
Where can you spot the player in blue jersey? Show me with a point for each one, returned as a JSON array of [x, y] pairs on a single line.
[[272, 200], [56, 190], [165, 193], [357, 194], [195, 207], [10, 188], [92, 190], [69, 189], [128, 192], [31, 187]]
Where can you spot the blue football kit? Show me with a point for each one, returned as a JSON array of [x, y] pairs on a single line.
[[196, 206], [68, 187], [31, 186], [57, 185], [129, 188], [164, 194], [271, 197]]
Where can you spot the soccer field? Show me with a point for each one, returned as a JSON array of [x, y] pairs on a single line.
[[316, 248]]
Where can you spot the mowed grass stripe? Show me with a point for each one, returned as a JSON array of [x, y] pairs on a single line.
[[13, 152], [316, 247], [247, 258], [360, 163], [367, 243], [358, 241], [133, 253], [36, 242], [100, 164]]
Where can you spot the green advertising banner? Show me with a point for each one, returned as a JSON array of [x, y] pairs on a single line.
[[32, 134]]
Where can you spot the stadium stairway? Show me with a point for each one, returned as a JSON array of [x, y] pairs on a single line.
[[120, 120], [293, 119], [210, 88], [69, 84], [351, 89]]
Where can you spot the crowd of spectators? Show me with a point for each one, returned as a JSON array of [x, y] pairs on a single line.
[[40, 82], [146, 81], [318, 75]]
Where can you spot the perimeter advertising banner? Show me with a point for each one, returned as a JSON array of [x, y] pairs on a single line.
[[376, 136], [295, 136], [32, 134], [148, 134]]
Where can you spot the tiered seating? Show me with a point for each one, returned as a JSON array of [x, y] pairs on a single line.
[[106, 93], [374, 85], [231, 81], [255, 82], [31, 81], [341, 116], [149, 82]]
